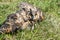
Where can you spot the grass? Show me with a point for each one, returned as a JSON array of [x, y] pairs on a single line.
[[49, 29]]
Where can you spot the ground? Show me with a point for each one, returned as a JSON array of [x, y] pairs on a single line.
[[48, 29]]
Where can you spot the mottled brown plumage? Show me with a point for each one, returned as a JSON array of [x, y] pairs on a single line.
[[25, 18]]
